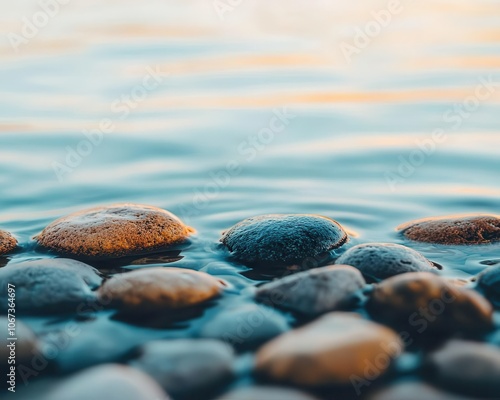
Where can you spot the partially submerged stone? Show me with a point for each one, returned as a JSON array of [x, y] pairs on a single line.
[[283, 239], [488, 282], [7, 242], [378, 261], [119, 230], [413, 390], [266, 393], [334, 350], [313, 292], [464, 230], [153, 290], [26, 345]]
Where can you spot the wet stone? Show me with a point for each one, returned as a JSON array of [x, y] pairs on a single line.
[[159, 289], [426, 304], [185, 368], [467, 368], [7, 242], [466, 230], [27, 345], [49, 286], [378, 261], [245, 327], [266, 393], [337, 349], [278, 240], [488, 282], [413, 390], [314, 292], [120, 230]]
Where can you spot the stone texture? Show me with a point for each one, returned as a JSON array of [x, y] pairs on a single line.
[[115, 231], [314, 292], [7, 242], [152, 290], [378, 261], [283, 239], [472, 229], [266, 393], [187, 368], [333, 350], [413, 391], [488, 282], [428, 304]]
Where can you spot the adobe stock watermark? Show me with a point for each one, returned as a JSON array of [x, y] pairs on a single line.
[[120, 109], [32, 26], [453, 119], [222, 7]]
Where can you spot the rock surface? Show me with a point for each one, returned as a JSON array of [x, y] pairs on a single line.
[[187, 368], [283, 239], [314, 292], [115, 231], [488, 283], [429, 304], [472, 229], [378, 261], [336, 349], [266, 393], [413, 391], [152, 290], [7, 242], [27, 345]]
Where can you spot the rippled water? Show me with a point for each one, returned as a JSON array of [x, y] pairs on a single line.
[[191, 143]]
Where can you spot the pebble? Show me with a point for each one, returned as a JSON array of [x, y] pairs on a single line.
[[153, 290], [266, 393], [114, 231], [7, 242], [278, 240], [336, 349], [187, 368], [467, 368], [466, 230], [245, 327], [27, 345], [378, 261], [488, 282], [412, 390], [49, 285], [429, 304], [313, 292]]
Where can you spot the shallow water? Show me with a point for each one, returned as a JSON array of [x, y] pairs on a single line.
[[191, 144]]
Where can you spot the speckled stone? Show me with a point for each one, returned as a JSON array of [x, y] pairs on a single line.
[[488, 282], [314, 292], [378, 261], [245, 327], [467, 368], [337, 349], [428, 304], [266, 393], [283, 239], [115, 231], [471, 229], [187, 368], [27, 345], [153, 290], [49, 286], [7, 242], [107, 382], [412, 391]]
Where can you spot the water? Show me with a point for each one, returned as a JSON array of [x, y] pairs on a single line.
[[220, 84]]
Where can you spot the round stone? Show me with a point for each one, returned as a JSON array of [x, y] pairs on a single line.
[[115, 231], [427, 304], [245, 327], [334, 350], [49, 286], [7, 242], [412, 390], [378, 261], [467, 368], [153, 290], [187, 368], [26, 345], [488, 282], [472, 229], [266, 393], [314, 292], [283, 239], [110, 382]]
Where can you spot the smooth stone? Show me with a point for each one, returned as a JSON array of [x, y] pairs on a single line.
[[108, 382], [283, 239], [245, 327], [412, 391], [336, 349], [7, 242], [378, 261], [488, 282], [266, 393], [49, 286], [119, 230], [471, 230], [467, 368], [159, 289], [27, 345], [187, 368], [429, 304], [313, 292]]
